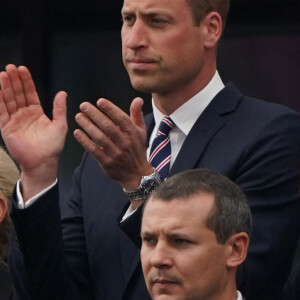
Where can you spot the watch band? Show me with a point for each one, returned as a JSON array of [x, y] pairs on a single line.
[[146, 187]]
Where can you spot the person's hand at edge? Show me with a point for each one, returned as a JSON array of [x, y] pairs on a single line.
[[32, 139]]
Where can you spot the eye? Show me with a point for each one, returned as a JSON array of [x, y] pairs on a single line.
[[128, 20], [148, 240], [158, 20], [181, 241]]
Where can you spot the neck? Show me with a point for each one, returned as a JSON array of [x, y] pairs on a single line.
[[168, 102], [225, 289]]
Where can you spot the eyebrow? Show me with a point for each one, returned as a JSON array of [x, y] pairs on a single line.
[[168, 235], [126, 11], [146, 233], [146, 12], [178, 235]]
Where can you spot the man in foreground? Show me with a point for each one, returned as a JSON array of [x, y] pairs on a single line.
[[195, 234], [169, 49]]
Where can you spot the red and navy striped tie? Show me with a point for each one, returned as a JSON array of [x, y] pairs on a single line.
[[160, 154]]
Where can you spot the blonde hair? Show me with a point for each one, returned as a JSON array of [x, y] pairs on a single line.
[[9, 175]]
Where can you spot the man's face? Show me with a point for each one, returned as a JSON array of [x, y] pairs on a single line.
[[162, 49], [180, 256]]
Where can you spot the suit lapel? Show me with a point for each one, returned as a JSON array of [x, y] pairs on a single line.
[[150, 123], [207, 125], [196, 142]]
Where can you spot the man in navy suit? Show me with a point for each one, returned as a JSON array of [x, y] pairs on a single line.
[[169, 49]]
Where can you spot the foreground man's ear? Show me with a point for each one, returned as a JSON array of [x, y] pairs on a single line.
[[237, 249]]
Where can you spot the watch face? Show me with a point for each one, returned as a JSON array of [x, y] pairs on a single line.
[[149, 185]]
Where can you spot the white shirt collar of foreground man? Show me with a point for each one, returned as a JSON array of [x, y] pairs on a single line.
[[239, 295]]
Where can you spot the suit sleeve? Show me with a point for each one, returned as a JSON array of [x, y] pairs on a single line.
[[46, 245]]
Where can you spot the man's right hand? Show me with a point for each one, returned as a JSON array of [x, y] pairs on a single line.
[[32, 139]]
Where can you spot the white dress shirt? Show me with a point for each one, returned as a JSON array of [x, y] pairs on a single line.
[[239, 295]]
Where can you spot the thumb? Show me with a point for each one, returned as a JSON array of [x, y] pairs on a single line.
[[60, 109], [136, 113]]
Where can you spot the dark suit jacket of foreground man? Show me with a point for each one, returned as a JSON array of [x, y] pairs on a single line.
[[6, 290], [254, 143]]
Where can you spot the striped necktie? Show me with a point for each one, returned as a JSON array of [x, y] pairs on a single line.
[[160, 153]]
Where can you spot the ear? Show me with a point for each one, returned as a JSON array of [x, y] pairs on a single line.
[[238, 247], [3, 207], [213, 29]]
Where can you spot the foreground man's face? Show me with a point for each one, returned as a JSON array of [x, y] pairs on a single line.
[[180, 256]]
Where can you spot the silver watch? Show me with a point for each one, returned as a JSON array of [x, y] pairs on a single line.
[[147, 186]]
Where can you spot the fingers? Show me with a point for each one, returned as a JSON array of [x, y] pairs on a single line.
[[118, 117], [136, 112], [60, 110], [90, 146], [110, 126], [8, 93], [116, 140], [107, 125], [18, 88], [28, 86], [4, 117], [94, 131], [16, 85]]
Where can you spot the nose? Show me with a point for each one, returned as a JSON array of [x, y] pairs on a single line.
[[161, 256], [135, 36]]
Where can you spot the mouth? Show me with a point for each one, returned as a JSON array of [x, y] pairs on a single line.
[[140, 64], [163, 283]]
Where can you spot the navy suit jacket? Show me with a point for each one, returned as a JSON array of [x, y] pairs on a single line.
[[292, 287], [6, 289], [254, 143]]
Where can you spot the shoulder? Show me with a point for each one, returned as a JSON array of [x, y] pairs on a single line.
[[253, 105], [233, 105]]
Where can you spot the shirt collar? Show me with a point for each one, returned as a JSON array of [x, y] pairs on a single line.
[[187, 114], [239, 295]]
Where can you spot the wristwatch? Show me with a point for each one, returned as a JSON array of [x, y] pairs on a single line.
[[147, 186]]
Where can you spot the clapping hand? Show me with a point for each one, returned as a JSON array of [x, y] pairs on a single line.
[[31, 137]]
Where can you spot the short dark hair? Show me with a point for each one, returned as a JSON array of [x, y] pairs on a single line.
[[200, 8], [231, 213]]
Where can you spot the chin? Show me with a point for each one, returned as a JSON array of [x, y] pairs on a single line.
[[166, 297], [146, 83], [143, 86]]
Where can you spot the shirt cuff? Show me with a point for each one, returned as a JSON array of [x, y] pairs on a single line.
[[130, 210], [29, 202]]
